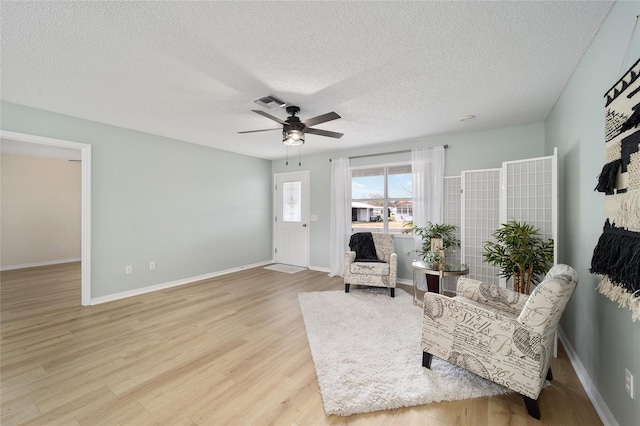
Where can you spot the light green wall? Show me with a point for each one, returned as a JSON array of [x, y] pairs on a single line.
[[193, 210], [602, 335], [467, 151]]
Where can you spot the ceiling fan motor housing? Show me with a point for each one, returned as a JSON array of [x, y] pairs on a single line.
[[294, 123]]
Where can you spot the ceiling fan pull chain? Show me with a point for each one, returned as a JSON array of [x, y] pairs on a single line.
[[299, 162], [287, 151]]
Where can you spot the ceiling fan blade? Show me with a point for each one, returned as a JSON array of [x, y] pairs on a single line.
[[262, 130], [324, 133], [321, 119], [269, 116]]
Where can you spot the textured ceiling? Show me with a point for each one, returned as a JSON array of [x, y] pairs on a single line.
[[392, 70]]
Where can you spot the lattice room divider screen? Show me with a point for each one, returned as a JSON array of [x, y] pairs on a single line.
[[480, 218], [478, 201], [452, 215], [531, 195]]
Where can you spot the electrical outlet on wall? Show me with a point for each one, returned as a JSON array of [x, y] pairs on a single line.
[[152, 265], [628, 382], [128, 269]]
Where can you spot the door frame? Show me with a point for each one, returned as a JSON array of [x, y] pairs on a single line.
[[85, 152], [307, 202]]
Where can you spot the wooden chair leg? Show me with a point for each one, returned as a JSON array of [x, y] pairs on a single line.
[[393, 292], [532, 407], [426, 360], [346, 287], [549, 375]]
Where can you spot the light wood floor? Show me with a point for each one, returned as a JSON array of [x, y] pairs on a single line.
[[228, 350]]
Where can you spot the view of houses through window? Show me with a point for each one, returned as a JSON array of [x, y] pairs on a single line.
[[381, 199]]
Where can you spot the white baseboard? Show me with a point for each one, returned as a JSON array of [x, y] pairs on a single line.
[[404, 281], [598, 403], [36, 264], [176, 283]]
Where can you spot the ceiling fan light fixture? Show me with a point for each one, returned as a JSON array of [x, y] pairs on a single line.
[[292, 137]]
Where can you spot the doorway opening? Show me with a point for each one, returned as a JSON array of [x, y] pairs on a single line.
[[85, 155]]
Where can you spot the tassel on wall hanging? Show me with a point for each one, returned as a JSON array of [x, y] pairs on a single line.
[[617, 254]]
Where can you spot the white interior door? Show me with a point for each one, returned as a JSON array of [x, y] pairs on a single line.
[[292, 218]]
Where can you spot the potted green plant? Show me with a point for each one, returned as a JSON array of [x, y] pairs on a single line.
[[440, 231], [520, 253], [432, 259]]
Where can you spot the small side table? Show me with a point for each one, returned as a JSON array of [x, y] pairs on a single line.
[[451, 270]]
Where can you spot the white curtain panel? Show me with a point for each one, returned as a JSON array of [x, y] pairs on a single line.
[[340, 214], [427, 166]]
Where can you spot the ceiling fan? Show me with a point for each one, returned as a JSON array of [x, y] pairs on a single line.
[[293, 129]]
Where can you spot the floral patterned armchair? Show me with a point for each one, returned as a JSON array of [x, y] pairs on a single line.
[[377, 274], [501, 335]]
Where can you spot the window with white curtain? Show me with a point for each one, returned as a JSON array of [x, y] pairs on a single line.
[[381, 198]]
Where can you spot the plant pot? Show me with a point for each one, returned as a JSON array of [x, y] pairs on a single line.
[[433, 283]]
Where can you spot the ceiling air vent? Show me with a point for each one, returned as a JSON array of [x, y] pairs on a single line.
[[270, 102]]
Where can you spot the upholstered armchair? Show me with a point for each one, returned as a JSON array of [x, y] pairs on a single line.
[[380, 273], [501, 335]]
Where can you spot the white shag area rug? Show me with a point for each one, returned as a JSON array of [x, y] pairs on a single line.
[[368, 357], [280, 267]]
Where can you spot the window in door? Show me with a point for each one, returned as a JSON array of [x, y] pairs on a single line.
[[291, 206]]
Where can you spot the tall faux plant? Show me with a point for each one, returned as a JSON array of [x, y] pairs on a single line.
[[520, 254]]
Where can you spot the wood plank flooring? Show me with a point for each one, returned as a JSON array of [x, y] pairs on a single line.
[[228, 350]]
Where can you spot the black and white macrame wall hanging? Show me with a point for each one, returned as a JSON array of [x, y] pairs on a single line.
[[617, 254]]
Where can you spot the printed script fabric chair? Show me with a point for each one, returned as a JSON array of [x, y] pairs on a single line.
[[501, 335], [375, 274]]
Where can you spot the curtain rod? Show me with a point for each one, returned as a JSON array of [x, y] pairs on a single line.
[[383, 153]]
